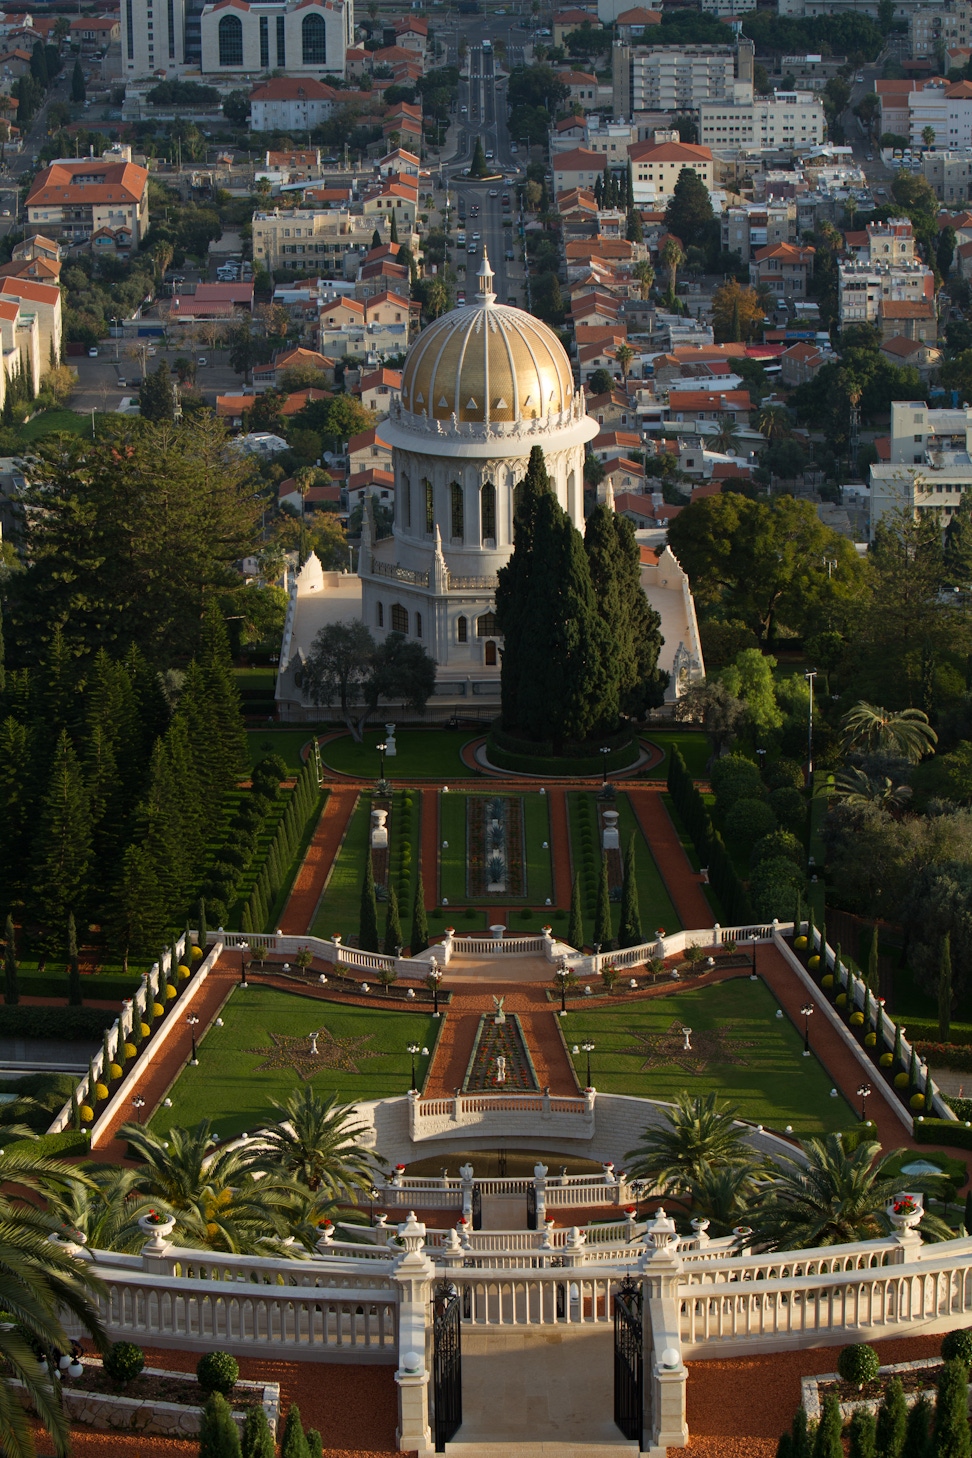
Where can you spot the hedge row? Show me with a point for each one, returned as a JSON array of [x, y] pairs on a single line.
[[71, 1024], [941, 1131], [107, 988], [928, 1032], [304, 803], [944, 1055], [536, 764], [708, 842], [54, 1146]]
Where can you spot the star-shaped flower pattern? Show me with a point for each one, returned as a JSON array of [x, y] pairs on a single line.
[[309, 1053], [711, 1046]]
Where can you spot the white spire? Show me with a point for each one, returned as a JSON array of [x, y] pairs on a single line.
[[485, 276]]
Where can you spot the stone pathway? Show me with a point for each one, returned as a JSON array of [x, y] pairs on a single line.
[[537, 1018], [683, 884], [298, 914]]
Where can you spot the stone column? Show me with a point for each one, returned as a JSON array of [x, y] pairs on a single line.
[[466, 1175], [664, 1369], [412, 1274], [540, 1186]]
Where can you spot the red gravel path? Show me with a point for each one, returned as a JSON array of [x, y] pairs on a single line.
[[456, 1039], [298, 914], [682, 883]]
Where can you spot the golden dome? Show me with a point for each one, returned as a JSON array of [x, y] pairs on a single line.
[[487, 362]]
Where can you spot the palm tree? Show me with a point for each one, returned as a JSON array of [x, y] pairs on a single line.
[[105, 1207], [624, 354], [833, 1199], [39, 1283], [727, 435], [905, 732], [701, 1134], [928, 136], [673, 258], [774, 422], [318, 1145], [645, 275], [856, 788], [162, 255], [723, 1195], [212, 1192]]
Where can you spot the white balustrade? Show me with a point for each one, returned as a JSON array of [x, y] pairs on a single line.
[[501, 1114], [576, 1297]]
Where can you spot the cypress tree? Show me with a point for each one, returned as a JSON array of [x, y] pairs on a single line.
[[913, 1068], [603, 924], [826, 1443], [863, 1435], [202, 931], [872, 976], [515, 579], [420, 925], [629, 931], [952, 1438], [218, 1435], [11, 990], [968, 1212], [273, 867], [575, 926], [784, 1448], [315, 1443], [393, 925], [393, 231], [75, 997], [945, 988], [293, 1443], [368, 939], [62, 855], [614, 558], [892, 1417], [918, 1441], [898, 1058], [802, 1443], [257, 1438], [246, 920]]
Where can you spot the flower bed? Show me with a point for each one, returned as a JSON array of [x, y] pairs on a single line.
[[494, 846], [494, 1040], [160, 1402], [916, 1377]]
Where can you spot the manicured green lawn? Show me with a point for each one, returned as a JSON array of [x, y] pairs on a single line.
[[229, 1088], [655, 904], [695, 752], [286, 742], [56, 420], [432, 753], [452, 858], [771, 1082], [340, 908], [263, 677]]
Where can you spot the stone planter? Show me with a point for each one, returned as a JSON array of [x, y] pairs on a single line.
[[906, 1211], [109, 1412], [158, 1232], [812, 1401]]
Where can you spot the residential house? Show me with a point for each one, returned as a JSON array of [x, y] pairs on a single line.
[[784, 267], [579, 168], [694, 405], [656, 167], [44, 301], [630, 25], [95, 32], [84, 199], [928, 470], [290, 104], [908, 319], [612, 444], [380, 389], [366, 450], [802, 362], [903, 351], [624, 475], [565, 21]]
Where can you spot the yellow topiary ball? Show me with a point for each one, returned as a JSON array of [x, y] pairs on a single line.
[[886, 1059], [144, 1029], [801, 944], [157, 1009], [86, 1113], [827, 980], [901, 1080], [870, 1040], [101, 1090], [182, 972], [130, 1050], [814, 962], [841, 999], [856, 1020], [114, 1070], [917, 1102], [170, 992], [197, 953]]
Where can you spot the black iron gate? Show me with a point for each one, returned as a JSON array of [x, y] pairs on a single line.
[[531, 1207], [446, 1366], [629, 1394], [477, 1207]]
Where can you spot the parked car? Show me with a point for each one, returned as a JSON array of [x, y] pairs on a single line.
[[93, 352], [201, 360]]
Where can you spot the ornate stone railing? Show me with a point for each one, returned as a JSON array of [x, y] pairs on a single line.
[[456, 583], [399, 574], [495, 1115]]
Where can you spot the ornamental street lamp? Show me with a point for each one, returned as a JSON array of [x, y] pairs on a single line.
[[244, 962], [588, 1048], [192, 1019], [864, 1093], [138, 1104], [807, 1011], [563, 977], [605, 751], [413, 1048], [810, 675], [381, 772], [435, 977]]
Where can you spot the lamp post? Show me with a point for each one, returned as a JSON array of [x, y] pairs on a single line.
[[605, 751], [244, 962], [810, 675], [413, 1048], [864, 1093], [807, 1011], [435, 977], [755, 944], [563, 977], [588, 1048], [138, 1104], [192, 1019], [381, 772], [373, 1195]]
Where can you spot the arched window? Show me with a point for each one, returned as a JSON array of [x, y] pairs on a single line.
[[313, 35], [485, 626], [462, 630], [457, 508], [399, 618], [230, 41], [380, 614], [418, 625], [490, 655], [429, 507], [487, 513], [406, 502]]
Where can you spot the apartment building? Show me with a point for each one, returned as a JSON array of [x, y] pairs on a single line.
[[102, 201], [783, 267], [936, 29], [672, 78], [43, 301], [316, 240], [930, 463], [946, 109], [892, 241], [290, 104], [865, 290], [657, 166], [788, 120], [749, 226], [949, 173]]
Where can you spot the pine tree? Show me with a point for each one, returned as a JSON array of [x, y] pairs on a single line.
[[393, 925], [479, 166], [629, 931], [891, 1419], [863, 1435], [952, 1438], [75, 997], [257, 1438], [575, 926], [873, 976], [634, 232], [919, 1442], [945, 989], [218, 1435], [11, 990], [376, 239], [62, 847], [420, 926], [826, 1443], [293, 1444], [156, 397], [368, 939], [603, 925]]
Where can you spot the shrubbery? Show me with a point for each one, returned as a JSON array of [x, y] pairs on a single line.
[[858, 1364], [123, 1361], [217, 1372]]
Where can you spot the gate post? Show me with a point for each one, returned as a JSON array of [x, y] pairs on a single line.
[[540, 1192], [412, 1273], [666, 1373]]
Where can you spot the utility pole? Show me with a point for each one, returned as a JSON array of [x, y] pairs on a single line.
[[810, 675]]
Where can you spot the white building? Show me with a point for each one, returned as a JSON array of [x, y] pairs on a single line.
[[865, 288], [290, 104], [946, 109], [301, 37], [315, 239], [657, 166], [672, 78], [481, 386], [930, 469], [790, 120]]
